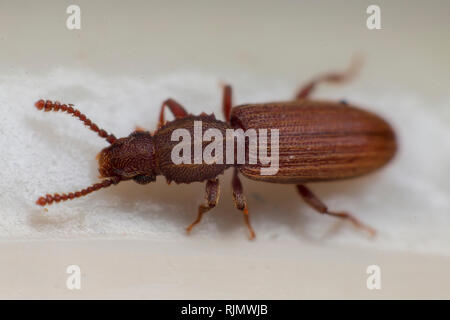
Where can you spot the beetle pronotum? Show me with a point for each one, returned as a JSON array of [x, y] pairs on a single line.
[[318, 141]]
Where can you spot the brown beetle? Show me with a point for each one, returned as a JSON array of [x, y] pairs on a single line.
[[318, 141]]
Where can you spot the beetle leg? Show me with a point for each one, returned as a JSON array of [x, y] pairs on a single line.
[[177, 110], [211, 199], [332, 77], [227, 102], [240, 202], [311, 199], [139, 129]]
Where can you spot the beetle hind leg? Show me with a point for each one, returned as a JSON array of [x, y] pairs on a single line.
[[211, 199], [311, 199], [241, 203], [332, 77]]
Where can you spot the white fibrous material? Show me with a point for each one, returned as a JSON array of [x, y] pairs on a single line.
[[407, 201]]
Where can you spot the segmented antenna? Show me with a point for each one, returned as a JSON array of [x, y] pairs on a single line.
[[56, 106], [49, 199]]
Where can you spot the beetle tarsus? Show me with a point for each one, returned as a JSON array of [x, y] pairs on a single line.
[[241, 203], [332, 77], [311, 199], [358, 224], [211, 199], [247, 223]]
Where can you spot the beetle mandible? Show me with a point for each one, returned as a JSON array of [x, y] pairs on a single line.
[[318, 141]]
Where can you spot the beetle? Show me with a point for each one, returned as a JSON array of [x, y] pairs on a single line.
[[319, 140]]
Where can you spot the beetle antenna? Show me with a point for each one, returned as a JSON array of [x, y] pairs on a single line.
[[56, 106], [49, 199]]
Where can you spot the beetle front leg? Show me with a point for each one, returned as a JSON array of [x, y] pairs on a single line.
[[240, 202], [211, 199], [139, 129], [177, 110], [311, 199], [332, 77]]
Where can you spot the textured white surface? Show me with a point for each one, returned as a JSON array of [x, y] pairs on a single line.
[[407, 201]]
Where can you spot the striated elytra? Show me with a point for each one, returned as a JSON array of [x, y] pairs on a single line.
[[319, 140]]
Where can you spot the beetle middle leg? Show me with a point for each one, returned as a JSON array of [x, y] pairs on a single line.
[[240, 201], [177, 110], [332, 77], [211, 199], [311, 199], [227, 102]]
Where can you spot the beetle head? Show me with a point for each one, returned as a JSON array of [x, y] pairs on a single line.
[[127, 158]]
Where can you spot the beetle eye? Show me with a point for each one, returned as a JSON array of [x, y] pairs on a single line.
[[144, 179]]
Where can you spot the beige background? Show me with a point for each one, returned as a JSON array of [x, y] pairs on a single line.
[[129, 240]]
